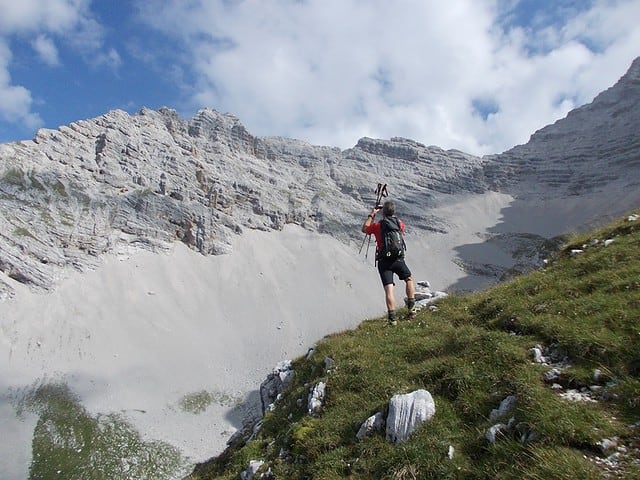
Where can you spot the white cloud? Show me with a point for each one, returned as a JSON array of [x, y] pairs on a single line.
[[46, 50], [331, 71], [15, 101], [55, 16], [43, 23], [110, 59]]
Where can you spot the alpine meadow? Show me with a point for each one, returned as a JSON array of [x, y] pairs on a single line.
[[561, 342]]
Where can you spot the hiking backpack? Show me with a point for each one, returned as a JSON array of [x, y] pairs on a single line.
[[393, 245]]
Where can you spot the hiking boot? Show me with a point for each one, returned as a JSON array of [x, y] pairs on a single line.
[[392, 323], [412, 311], [391, 319]]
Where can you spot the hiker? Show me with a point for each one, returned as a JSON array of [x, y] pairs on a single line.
[[390, 264]]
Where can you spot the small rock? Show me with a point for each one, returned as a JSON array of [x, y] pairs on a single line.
[[494, 431], [552, 375], [451, 452], [316, 398], [576, 396], [374, 423], [252, 469], [506, 405], [329, 363], [275, 384], [607, 444], [536, 353]]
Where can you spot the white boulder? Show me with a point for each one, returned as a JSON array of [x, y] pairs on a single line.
[[407, 412]]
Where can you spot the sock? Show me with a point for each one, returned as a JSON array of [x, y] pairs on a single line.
[[411, 302], [392, 315]]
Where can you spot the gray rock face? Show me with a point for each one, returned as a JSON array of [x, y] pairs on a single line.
[[595, 146], [142, 181], [121, 182]]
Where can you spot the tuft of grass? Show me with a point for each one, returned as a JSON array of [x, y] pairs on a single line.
[[69, 443], [198, 402], [471, 353]]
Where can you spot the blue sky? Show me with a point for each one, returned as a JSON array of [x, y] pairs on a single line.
[[479, 76]]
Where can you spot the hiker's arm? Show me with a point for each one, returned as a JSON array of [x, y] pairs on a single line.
[[369, 220]]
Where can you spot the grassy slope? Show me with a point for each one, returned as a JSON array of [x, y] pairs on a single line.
[[470, 354]]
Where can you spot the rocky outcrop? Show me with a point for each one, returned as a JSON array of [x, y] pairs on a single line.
[[275, 383]]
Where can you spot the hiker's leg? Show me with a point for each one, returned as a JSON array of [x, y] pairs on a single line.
[[389, 297], [410, 288], [386, 275]]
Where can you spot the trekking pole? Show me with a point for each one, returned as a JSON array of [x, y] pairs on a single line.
[[381, 191]]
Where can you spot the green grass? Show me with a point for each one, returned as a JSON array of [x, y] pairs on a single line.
[[470, 354], [71, 444]]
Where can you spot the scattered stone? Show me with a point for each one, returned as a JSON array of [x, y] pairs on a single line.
[[252, 469], [375, 423], [275, 383], [573, 395], [536, 353], [607, 444], [633, 217], [329, 363], [505, 406], [552, 375], [494, 431], [451, 452], [609, 242], [316, 399], [407, 412], [576, 251], [425, 297]]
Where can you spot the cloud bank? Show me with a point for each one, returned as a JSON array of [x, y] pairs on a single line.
[[477, 76]]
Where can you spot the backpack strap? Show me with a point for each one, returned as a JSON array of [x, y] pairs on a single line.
[[404, 245]]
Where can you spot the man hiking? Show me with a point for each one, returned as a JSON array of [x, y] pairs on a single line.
[[390, 256]]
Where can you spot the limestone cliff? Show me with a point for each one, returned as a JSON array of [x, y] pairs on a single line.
[[124, 181]]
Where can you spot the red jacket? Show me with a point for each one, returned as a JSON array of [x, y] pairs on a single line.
[[376, 230]]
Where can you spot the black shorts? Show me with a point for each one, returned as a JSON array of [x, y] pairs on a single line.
[[387, 268]]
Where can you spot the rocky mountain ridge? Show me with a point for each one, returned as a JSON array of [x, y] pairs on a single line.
[[120, 182], [594, 146]]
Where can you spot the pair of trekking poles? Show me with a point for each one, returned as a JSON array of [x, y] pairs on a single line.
[[381, 192]]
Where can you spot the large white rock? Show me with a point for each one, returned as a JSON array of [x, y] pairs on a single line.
[[407, 412]]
